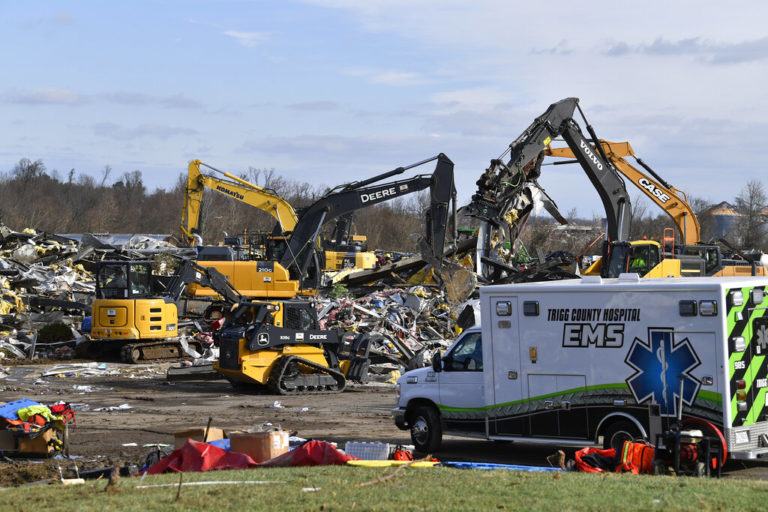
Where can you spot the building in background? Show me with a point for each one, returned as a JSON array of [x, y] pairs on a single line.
[[725, 216]]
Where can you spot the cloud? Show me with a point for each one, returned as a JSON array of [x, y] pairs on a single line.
[[473, 99], [709, 52], [314, 106], [62, 18], [59, 96], [43, 96], [140, 99], [247, 39], [390, 77], [561, 48], [122, 133], [339, 148]]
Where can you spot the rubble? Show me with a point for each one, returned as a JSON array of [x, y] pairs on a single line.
[[47, 288], [410, 324]]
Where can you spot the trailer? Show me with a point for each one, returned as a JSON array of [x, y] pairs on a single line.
[[596, 362]]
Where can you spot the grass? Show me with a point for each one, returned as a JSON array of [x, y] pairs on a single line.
[[337, 488]]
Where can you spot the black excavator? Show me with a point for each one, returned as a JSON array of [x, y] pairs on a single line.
[[135, 312], [279, 344], [508, 190], [300, 255]]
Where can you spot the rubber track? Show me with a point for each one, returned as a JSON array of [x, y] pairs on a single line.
[[126, 353], [278, 373]]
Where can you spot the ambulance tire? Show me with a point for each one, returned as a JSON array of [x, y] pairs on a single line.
[[617, 433], [426, 431]]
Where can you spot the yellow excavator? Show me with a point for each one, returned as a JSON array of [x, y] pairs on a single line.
[[647, 257], [341, 251], [135, 313]]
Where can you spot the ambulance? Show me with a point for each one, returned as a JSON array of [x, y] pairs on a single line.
[[596, 361]]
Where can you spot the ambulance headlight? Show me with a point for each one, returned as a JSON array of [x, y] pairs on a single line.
[[756, 296], [737, 298], [708, 308]]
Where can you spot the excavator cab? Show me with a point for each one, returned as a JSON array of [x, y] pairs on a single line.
[[124, 280], [126, 307], [638, 257]]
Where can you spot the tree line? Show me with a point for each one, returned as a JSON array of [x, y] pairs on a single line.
[[33, 197]]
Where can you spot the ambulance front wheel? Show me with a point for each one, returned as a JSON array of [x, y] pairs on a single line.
[[617, 433], [426, 432]]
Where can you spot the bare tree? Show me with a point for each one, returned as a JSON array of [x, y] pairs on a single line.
[[105, 175], [27, 170], [702, 209], [750, 203]]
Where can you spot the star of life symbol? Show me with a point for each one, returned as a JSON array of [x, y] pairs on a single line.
[[762, 337], [659, 365]]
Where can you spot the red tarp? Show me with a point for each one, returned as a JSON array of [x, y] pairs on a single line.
[[195, 456], [311, 453]]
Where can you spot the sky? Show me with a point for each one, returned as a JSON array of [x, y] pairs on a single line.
[[332, 91]]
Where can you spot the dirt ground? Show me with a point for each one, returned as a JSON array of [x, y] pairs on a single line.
[[153, 408], [149, 409]]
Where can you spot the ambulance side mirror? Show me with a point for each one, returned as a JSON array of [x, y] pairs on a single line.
[[437, 362]]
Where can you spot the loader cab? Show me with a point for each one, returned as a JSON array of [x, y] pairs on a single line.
[[636, 257], [124, 280]]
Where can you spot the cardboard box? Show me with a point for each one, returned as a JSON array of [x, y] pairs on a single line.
[[7, 441], [260, 446], [197, 434], [37, 445]]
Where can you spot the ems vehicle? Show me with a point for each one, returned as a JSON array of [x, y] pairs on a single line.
[[600, 361]]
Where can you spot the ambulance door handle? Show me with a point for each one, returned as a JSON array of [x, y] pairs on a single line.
[[566, 404], [549, 404]]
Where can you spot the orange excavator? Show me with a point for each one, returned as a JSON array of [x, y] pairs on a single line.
[[689, 257]]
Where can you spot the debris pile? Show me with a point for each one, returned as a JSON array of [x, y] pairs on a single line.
[[29, 427], [409, 323], [47, 286]]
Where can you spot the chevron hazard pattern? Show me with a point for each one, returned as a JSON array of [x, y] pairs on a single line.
[[751, 366]]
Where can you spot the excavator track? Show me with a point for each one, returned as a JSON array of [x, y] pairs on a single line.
[[150, 351], [286, 378]]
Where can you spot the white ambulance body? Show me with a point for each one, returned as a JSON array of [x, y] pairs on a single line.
[[590, 361]]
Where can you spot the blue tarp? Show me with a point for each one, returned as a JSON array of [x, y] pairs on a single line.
[[220, 443], [489, 466], [8, 410]]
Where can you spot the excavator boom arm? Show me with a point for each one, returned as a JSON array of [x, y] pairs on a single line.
[[665, 196], [345, 201], [235, 188], [500, 184], [190, 272]]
